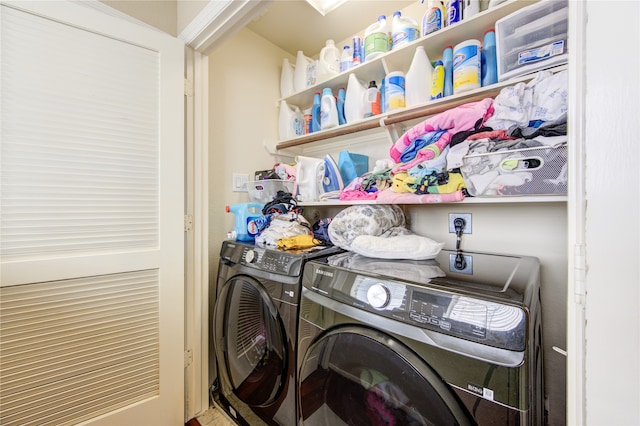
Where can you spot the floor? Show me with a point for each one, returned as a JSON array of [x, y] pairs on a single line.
[[214, 417]]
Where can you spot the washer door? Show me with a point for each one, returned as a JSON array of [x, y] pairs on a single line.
[[358, 376], [250, 342]]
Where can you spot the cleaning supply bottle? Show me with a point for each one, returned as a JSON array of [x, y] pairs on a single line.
[[466, 66], [489, 64], [328, 110], [300, 74], [418, 79], [434, 18], [403, 30], [470, 8], [454, 12], [394, 91], [353, 102], [328, 62], [340, 105], [315, 113], [290, 121], [371, 100], [286, 79], [437, 81], [376, 39], [244, 213], [358, 51], [447, 61], [346, 60]]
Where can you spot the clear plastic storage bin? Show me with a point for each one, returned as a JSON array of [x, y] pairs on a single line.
[[532, 38], [264, 191], [528, 171]]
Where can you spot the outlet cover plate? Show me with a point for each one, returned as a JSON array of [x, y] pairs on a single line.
[[239, 182]]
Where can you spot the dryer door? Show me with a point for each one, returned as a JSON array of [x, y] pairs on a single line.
[[359, 376], [251, 345]]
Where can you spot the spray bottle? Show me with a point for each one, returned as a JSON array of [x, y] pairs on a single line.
[[244, 213]]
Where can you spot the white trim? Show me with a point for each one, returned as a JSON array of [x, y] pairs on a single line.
[[576, 211], [218, 20], [201, 222], [197, 241]]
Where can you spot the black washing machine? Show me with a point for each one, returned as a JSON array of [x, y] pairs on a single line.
[[255, 324], [437, 342]]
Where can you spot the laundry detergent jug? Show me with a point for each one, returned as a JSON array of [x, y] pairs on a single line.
[[244, 214]]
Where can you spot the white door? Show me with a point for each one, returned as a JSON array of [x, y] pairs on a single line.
[[91, 219]]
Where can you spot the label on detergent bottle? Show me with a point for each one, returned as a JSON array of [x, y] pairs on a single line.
[[407, 35], [374, 44], [394, 91], [437, 81], [466, 66], [454, 11], [432, 21]]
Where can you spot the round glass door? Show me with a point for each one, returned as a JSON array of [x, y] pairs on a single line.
[[250, 341], [359, 376]]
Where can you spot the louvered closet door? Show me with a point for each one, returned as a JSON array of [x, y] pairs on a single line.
[[91, 219]]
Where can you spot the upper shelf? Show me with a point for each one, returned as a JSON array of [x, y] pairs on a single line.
[[398, 116], [399, 59]]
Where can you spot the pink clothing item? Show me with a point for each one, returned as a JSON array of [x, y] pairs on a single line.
[[357, 195], [388, 196], [461, 118]]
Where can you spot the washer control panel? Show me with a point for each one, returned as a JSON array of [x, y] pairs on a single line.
[[268, 260]]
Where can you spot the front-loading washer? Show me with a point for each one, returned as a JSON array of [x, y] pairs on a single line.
[[254, 333], [438, 342]]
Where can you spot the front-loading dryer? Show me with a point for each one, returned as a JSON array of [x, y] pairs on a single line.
[[255, 323], [421, 342]]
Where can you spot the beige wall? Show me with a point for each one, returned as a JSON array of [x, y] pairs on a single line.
[[187, 11], [244, 75], [160, 14]]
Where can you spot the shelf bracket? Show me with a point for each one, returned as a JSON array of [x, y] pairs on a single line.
[[391, 130]]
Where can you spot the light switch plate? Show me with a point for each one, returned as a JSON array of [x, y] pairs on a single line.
[[239, 182]]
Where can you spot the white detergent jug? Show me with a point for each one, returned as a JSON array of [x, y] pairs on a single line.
[[290, 122], [309, 178], [354, 99], [328, 62], [286, 79], [417, 83], [300, 74]]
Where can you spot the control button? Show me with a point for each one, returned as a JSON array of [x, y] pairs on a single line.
[[378, 296], [250, 256]]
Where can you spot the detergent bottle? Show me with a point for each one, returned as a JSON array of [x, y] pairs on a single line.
[[244, 213], [377, 39], [418, 79], [404, 30], [300, 75], [328, 62]]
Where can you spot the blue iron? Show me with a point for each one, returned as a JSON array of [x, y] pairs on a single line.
[[332, 180]]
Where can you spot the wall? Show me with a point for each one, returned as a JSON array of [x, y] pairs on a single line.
[[612, 229], [244, 74], [158, 13], [187, 11]]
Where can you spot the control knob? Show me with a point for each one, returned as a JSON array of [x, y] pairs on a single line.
[[378, 296], [250, 256]]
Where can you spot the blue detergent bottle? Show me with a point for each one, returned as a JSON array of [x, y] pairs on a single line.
[[315, 113], [340, 105], [447, 61], [488, 60], [244, 213]]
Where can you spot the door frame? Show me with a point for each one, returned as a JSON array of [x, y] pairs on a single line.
[[220, 20]]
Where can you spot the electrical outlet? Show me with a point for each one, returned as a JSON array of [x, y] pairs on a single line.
[[467, 222], [462, 265]]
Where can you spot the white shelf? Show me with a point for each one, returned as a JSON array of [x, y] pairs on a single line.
[[469, 200]]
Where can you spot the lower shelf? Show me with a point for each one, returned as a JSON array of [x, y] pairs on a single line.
[[468, 200]]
